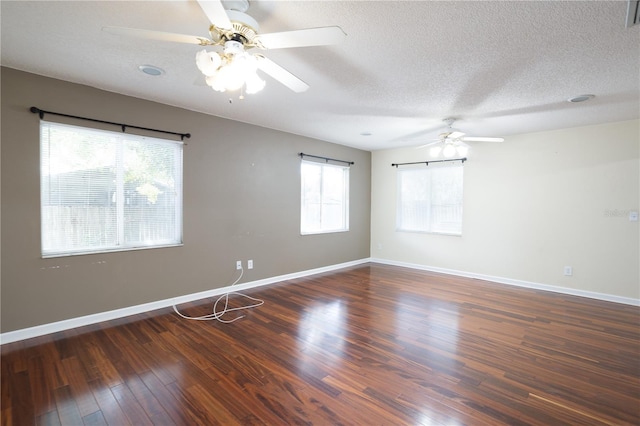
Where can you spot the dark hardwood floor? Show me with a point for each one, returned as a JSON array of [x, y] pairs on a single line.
[[368, 345]]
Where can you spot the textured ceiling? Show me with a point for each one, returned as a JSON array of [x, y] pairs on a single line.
[[501, 67]]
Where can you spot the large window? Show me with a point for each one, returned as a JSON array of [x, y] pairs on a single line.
[[325, 198], [430, 199], [106, 191]]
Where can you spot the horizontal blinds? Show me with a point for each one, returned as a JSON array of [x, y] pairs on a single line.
[[104, 191], [430, 199], [325, 198]]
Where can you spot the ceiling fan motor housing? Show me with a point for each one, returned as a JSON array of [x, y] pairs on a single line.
[[245, 28]]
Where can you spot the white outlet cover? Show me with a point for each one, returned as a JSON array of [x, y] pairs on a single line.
[[633, 216]]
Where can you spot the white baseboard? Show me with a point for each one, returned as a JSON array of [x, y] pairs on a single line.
[[40, 330], [514, 282]]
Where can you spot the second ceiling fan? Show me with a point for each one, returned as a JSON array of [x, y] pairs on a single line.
[[231, 28], [452, 141]]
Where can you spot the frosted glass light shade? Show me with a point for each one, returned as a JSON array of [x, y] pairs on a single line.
[[449, 150], [208, 62]]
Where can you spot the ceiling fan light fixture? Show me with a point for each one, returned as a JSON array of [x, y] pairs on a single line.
[[230, 70], [230, 77], [435, 150], [208, 62], [215, 82], [462, 149], [449, 150]]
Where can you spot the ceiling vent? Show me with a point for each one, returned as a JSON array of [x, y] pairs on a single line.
[[633, 13]]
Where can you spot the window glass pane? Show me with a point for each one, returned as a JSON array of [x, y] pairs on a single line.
[[446, 200], [325, 198], [430, 199], [150, 195], [103, 191], [311, 212], [77, 183], [333, 198], [413, 212]]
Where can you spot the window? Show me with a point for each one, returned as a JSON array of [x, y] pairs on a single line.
[[325, 198], [105, 191], [430, 199]]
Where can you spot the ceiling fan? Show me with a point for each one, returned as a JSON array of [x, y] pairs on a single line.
[[236, 32], [452, 141]]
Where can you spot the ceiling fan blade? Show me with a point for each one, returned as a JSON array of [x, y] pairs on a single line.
[[455, 134], [280, 74], [216, 14], [156, 35], [481, 139], [301, 38], [429, 144]]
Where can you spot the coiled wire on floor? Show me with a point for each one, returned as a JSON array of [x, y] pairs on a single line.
[[217, 315]]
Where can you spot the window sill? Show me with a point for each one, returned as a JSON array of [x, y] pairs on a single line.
[[83, 253]]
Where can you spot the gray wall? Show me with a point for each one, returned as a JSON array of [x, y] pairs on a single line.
[[241, 201]]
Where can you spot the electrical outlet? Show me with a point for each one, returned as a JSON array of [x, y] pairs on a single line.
[[568, 271], [238, 264], [249, 264]]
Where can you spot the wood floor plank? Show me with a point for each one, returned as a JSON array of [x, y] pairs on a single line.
[[213, 409], [109, 373], [50, 418], [149, 403], [41, 388], [109, 407], [369, 344], [130, 405], [79, 387], [95, 419], [196, 409], [67, 406], [178, 408], [22, 408]]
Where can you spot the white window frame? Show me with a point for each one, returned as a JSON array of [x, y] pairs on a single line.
[[425, 204], [322, 226], [118, 139]]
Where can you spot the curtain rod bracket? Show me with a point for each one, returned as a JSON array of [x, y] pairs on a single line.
[[37, 111]]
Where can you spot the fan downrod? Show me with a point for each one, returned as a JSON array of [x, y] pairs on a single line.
[[449, 121]]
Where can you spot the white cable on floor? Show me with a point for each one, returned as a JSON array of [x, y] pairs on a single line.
[[215, 315]]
